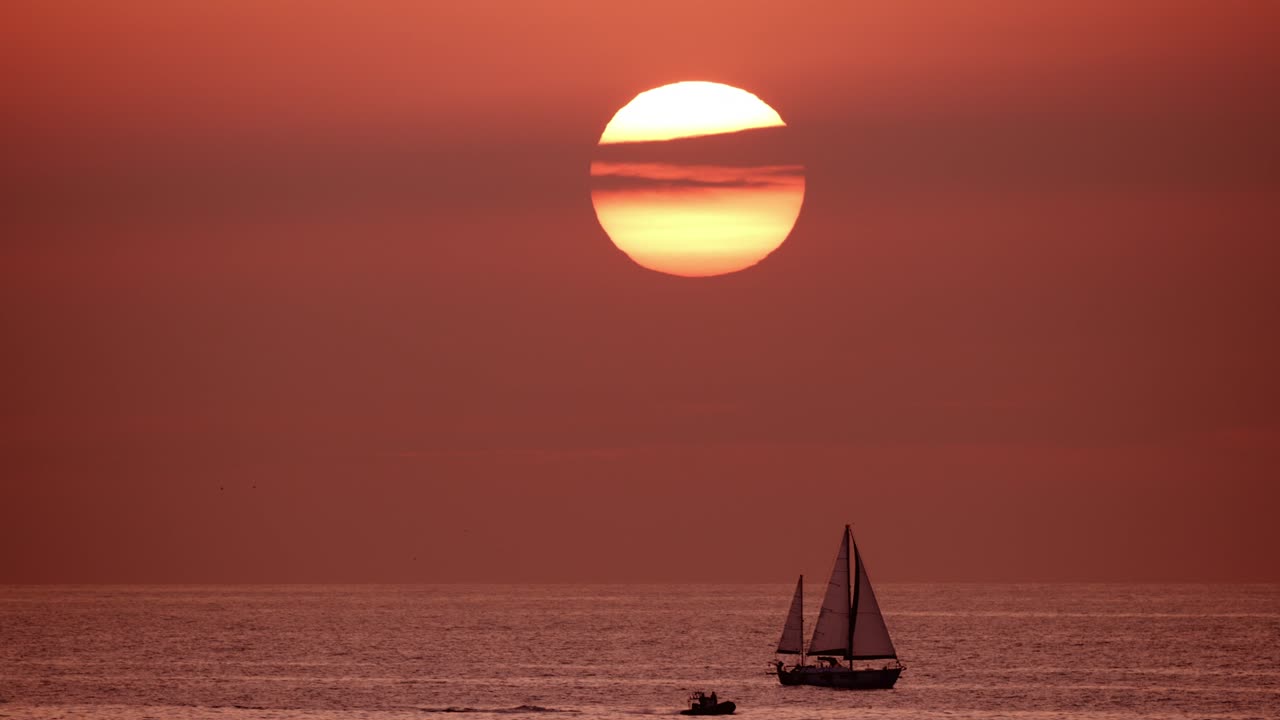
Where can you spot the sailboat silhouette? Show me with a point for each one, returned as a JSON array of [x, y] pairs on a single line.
[[850, 627]]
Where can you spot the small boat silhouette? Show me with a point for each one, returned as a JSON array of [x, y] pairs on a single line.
[[701, 703]]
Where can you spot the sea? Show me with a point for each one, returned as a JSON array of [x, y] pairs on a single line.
[[378, 652]]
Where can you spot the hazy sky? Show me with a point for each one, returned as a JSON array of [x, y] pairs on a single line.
[[315, 292]]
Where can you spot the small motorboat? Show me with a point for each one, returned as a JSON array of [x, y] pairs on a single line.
[[701, 703]]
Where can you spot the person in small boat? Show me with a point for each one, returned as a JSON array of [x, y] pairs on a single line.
[[703, 701]]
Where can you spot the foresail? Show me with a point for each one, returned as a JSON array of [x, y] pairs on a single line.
[[792, 641], [870, 635], [831, 633]]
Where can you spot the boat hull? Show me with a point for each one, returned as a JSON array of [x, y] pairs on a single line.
[[841, 678], [725, 707]]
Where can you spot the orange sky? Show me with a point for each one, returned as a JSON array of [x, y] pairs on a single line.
[[315, 291]]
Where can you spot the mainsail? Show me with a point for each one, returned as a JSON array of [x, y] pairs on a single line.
[[850, 624], [831, 633], [792, 641]]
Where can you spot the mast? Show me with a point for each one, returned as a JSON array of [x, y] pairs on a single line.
[[800, 594], [854, 581]]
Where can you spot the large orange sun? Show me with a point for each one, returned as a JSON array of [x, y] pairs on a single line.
[[696, 179]]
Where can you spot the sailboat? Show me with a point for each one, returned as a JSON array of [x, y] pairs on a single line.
[[849, 628]]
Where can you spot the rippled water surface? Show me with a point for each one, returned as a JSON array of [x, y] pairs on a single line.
[[609, 651]]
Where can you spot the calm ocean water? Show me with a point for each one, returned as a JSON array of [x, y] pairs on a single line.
[[618, 651]]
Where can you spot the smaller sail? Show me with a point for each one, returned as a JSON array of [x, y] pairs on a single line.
[[831, 632], [792, 641]]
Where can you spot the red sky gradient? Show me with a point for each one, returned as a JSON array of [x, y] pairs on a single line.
[[315, 292]]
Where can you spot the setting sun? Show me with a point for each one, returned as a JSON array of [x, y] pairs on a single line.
[[687, 180], [688, 109]]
